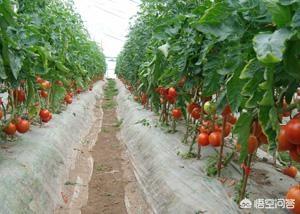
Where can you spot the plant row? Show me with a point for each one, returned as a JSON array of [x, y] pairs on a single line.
[[230, 68]]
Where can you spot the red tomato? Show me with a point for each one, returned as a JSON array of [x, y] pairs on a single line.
[[44, 94], [294, 155], [44, 113], [231, 119], [202, 129], [172, 92], [22, 126], [46, 120], [177, 113], [215, 139], [290, 171], [10, 129], [203, 139], [252, 144], [294, 194], [293, 131], [191, 107], [1, 114], [39, 80], [45, 84], [196, 113], [227, 129], [19, 94], [226, 111], [284, 144], [68, 99]]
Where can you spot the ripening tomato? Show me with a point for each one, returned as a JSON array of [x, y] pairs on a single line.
[[294, 194], [294, 155], [46, 120], [203, 129], [182, 81], [252, 144], [44, 113], [39, 79], [231, 119], [44, 94], [78, 90], [71, 94], [45, 84], [22, 126], [1, 114], [177, 113], [19, 94], [217, 128], [203, 139], [196, 113], [68, 99], [284, 144], [59, 83], [10, 129], [215, 138], [290, 171], [293, 131], [226, 111], [136, 98], [227, 129], [170, 99], [191, 107], [172, 92]]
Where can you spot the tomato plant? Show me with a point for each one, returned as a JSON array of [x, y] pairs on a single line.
[[231, 66]]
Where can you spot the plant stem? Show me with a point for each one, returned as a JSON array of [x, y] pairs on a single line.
[[222, 145]]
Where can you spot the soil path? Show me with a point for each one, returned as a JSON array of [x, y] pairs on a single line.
[[113, 187]]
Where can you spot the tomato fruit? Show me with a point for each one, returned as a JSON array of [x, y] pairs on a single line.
[[290, 171], [68, 99], [22, 126], [228, 127], [226, 111], [203, 139], [10, 129], [39, 80], [1, 114], [209, 107], [196, 113], [45, 84], [44, 94], [172, 92], [136, 98], [44, 113], [19, 94], [293, 131], [284, 144], [215, 138], [294, 194], [294, 155], [191, 107], [177, 113], [252, 144]]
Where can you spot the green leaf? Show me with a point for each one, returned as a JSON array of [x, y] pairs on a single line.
[[281, 15], [15, 63], [269, 121], [215, 14], [234, 88], [296, 19], [2, 69], [242, 130], [270, 47]]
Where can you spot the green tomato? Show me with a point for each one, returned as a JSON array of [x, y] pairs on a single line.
[[210, 108]]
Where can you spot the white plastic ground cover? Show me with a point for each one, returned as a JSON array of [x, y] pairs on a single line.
[[171, 185], [34, 169], [174, 185]]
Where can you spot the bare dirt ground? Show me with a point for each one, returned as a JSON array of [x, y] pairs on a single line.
[[113, 187]]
